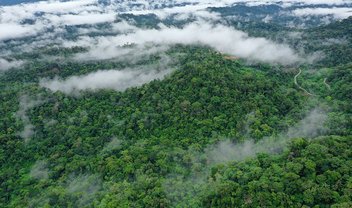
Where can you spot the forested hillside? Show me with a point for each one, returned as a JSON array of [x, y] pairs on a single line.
[[337, 41], [120, 140], [175, 104], [308, 174]]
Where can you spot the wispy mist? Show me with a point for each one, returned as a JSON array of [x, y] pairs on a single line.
[[104, 79], [309, 127], [6, 64], [46, 23], [85, 187], [25, 104], [181, 190], [220, 37], [39, 170], [336, 12], [113, 144]]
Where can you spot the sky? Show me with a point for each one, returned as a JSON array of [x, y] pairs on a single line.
[[14, 2]]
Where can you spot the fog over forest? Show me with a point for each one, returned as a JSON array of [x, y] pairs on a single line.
[[175, 103]]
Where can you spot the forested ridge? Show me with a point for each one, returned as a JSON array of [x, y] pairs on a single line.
[[131, 142], [155, 121], [309, 174]]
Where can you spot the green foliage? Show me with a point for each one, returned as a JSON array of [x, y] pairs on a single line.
[[132, 148], [310, 173], [334, 40]]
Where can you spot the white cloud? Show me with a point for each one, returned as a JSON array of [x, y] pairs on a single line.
[[113, 144], [312, 126], [104, 79], [39, 170], [25, 104], [17, 13], [57, 6], [56, 14], [122, 27], [84, 187], [291, 2], [327, 2], [337, 12], [5, 64], [12, 17], [186, 10], [81, 19], [10, 31], [220, 37]]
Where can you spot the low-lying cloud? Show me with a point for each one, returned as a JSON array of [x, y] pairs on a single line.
[[6, 64], [52, 17], [84, 187], [113, 144], [82, 18], [104, 79], [187, 10], [336, 12], [311, 126], [39, 170], [222, 38], [26, 103], [19, 12], [180, 189], [11, 31], [47, 14]]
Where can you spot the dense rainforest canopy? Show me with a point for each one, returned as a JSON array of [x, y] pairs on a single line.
[[180, 124], [142, 141]]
